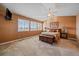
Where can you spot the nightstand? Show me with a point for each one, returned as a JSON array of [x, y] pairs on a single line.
[[64, 35]]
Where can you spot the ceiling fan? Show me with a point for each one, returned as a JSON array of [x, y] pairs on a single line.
[[50, 13]]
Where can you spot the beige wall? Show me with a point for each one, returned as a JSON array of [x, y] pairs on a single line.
[[77, 27], [68, 21], [9, 29]]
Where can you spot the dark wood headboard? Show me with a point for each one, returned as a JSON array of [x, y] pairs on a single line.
[[55, 30]]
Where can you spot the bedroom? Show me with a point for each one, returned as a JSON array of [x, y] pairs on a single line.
[[32, 24]]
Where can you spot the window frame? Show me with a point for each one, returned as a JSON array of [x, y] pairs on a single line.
[[34, 23], [22, 29]]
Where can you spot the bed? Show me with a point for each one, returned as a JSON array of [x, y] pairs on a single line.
[[50, 37]]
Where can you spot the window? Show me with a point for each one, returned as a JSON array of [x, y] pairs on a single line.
[[33, 26], [23, 25], [39, 26], [26, 25]]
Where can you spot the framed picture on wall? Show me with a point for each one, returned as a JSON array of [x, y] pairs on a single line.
[[54, 25]]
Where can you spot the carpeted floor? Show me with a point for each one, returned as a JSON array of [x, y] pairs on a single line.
[[32, 46]]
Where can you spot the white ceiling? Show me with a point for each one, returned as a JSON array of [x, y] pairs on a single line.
[[39, 11]]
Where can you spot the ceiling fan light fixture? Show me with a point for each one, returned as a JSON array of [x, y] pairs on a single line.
[[49, 13]]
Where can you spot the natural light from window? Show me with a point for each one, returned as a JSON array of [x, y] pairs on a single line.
[[27, 25], [23, 25]]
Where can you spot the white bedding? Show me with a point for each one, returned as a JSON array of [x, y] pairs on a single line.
[[49, 33]]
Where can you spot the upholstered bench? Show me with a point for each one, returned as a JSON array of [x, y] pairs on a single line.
[[47, 38]]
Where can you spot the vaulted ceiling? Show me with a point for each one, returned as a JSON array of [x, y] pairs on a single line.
[[39, 11]]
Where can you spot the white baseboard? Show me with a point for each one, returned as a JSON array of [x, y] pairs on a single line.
[[10, 41], [14, 40]]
